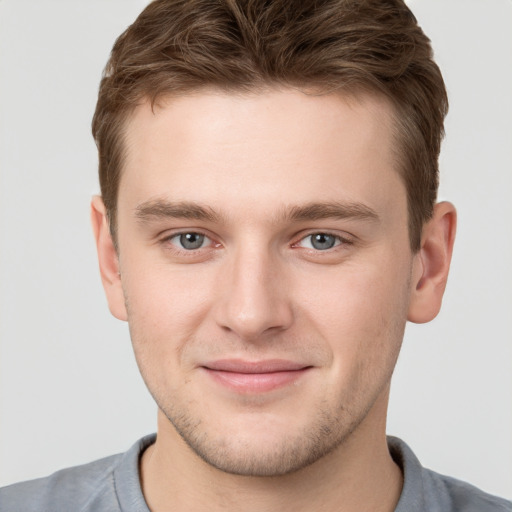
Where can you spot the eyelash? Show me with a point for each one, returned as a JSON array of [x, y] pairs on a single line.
[[168, 241], [339, 241]]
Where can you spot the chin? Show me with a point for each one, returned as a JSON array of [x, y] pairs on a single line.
[[254, 460], [266, 449]]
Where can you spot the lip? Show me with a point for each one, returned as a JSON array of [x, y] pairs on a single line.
[[255, 376]]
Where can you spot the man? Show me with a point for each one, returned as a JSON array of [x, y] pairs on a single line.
[[267, 225]]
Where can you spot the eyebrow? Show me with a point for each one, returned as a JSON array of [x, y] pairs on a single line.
[[162, 209], [157, 209], [331, 210]]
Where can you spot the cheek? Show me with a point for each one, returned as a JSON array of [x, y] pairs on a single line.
[[165, 307], [169, 294], [361, 311]]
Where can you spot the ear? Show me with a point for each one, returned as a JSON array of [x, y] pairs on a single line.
[[432, 263], [108, 259]]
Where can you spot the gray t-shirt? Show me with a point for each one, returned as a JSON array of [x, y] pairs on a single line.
[[112, 485]]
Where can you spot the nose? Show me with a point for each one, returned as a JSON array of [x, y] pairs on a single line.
[[253, 299]]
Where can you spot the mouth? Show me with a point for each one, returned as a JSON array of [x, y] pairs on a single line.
[[255, 376]]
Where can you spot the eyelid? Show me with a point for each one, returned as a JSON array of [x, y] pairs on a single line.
[[168, 236], [176, 240], [344, 239]]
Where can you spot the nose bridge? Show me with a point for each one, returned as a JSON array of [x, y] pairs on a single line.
[[254, 299]]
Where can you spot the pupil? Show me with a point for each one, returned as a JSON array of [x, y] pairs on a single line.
[[191, 240], [322, 241]]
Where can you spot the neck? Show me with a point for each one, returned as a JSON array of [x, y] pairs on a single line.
[[359, 474]]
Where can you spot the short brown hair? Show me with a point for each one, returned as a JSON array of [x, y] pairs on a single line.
[[353, 46]]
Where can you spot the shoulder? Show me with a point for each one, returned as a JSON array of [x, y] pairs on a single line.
[[462, 496], [68, 489], [111, 484], [426, 490]]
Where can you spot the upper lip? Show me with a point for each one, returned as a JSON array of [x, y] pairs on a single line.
[[264, 366]]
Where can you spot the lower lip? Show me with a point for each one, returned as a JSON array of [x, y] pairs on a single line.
[[255, 382]]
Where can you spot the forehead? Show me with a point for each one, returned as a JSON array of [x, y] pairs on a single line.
[[283, 146]]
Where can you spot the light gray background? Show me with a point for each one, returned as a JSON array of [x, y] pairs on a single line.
[[70, 390]]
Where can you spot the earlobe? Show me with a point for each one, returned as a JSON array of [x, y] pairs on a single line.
[[432, 263], [108, 259]]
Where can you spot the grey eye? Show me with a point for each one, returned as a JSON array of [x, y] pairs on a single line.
[[191, 241], [322, 241]]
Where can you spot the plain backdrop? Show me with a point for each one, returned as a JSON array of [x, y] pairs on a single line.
[[70, 389]]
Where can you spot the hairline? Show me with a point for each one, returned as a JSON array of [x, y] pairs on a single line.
[[350, 93]]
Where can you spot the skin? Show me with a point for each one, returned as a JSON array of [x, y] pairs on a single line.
[[243, 171]]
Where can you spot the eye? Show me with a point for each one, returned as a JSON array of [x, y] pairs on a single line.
[[190, 241], [320, 241]]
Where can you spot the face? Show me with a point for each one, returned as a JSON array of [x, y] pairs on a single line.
[[265, 268]]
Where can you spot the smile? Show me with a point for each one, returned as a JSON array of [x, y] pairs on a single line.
[[255, 377]]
